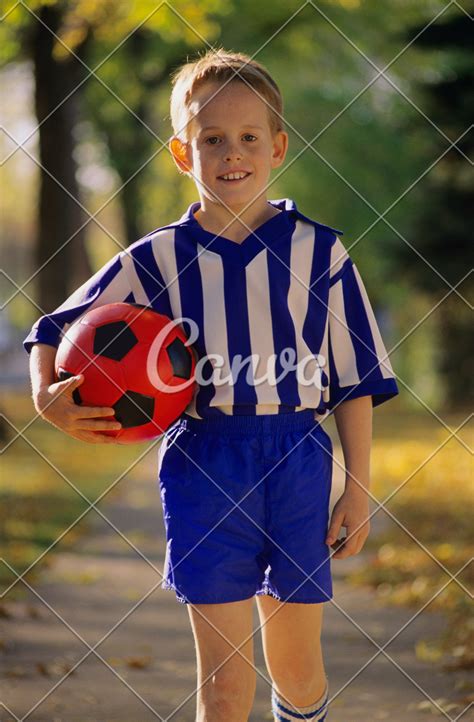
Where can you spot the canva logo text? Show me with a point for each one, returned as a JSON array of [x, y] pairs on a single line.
[[307, 369]]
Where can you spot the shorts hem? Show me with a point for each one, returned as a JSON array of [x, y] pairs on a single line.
[[266, 590], [259, 593], [294, 601], [184, 600], [308, 601]]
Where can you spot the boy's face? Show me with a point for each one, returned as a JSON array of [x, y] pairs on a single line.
[[230, 133]]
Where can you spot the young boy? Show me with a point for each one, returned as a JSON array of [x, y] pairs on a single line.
[[245, 474]]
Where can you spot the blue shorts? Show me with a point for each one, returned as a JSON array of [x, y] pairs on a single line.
[[278, 469]]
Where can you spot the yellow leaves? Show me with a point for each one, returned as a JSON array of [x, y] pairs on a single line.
[[348, 4], [34, 479], [428, 652], [386, 553], [18, 528], [430, 470], [11, 12], [444, 552], [72, 38], [112, 21], [396, 461], [434, 507], [419, 587], [82, 577]]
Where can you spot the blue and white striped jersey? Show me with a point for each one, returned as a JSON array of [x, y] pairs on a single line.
[[287, 298]]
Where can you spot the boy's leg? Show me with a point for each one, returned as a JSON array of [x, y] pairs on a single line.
[[291, 639], [225, 691]]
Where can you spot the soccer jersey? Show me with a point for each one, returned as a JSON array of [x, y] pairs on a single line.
[[283, 318]]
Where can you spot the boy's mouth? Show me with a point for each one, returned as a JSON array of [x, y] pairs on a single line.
[[234, 177]]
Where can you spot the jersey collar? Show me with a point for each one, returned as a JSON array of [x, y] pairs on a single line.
[[287, 205]]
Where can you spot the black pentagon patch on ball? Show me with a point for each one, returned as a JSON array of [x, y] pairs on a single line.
[[62, 376], [134, 409], [180, 358], [114, 340]]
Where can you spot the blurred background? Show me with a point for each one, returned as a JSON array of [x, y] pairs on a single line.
[[378, 103]]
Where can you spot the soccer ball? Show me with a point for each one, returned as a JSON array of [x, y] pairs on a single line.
[[131, 363]]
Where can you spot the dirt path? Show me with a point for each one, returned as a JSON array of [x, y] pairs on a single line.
[[150, 654]]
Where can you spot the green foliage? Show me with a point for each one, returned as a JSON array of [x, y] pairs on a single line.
[[369, 146], [445, 214], [110, 22]]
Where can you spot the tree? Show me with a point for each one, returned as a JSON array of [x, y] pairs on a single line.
[[60, 216], [61, 37], [443, 228]]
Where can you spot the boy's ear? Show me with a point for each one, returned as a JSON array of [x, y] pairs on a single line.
[[280, 147], [179, 151]]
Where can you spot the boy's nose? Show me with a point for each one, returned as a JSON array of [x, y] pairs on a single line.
[[232, 153]]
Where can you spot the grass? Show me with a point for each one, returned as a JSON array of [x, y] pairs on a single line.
[[434, 506], [38, 505]]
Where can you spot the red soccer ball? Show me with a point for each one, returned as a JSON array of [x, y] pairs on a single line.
[[131, 363]]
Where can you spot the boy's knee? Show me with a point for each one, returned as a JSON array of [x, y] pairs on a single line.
[[229, 696], [228, 683], [301, 691]]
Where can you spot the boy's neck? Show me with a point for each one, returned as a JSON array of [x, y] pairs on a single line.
[[216, 218]]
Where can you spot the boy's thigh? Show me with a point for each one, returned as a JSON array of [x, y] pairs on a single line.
[[291, 635], [220, 629]]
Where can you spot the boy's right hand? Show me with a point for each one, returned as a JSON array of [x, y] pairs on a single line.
[[56, 405]]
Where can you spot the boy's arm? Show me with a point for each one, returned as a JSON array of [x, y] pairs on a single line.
[[360, 377], [41, 368], [54, 400], [55, 404], [110, 284], [354, 425]]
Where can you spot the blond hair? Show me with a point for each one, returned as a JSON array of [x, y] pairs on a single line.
[[220, 66]]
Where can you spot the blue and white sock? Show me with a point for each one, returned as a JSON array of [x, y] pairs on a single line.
[[284, 712]]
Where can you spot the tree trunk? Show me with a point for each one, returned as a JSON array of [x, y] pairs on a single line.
[[130, 144], [59, 214], [131, 205], [129, 150]]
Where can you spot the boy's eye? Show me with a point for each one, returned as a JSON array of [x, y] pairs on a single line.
[[214, 139]]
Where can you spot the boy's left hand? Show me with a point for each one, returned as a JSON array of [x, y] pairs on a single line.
[[351, 511]]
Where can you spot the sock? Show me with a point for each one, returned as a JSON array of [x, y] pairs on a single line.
[[283, 712]]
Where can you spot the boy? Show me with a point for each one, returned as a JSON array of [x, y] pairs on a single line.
[[245, 473]]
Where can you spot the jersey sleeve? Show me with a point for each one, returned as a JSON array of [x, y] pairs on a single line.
[[109, 285], [358, 360]]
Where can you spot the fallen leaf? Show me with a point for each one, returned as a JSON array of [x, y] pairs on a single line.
[[42, 669], [139, 662], [15, 672], [4, 612], [33, 612], [60, 668]]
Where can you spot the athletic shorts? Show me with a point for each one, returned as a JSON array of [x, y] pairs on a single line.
[[246, 508]]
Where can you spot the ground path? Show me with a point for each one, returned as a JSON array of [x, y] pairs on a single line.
[[96, 584]]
